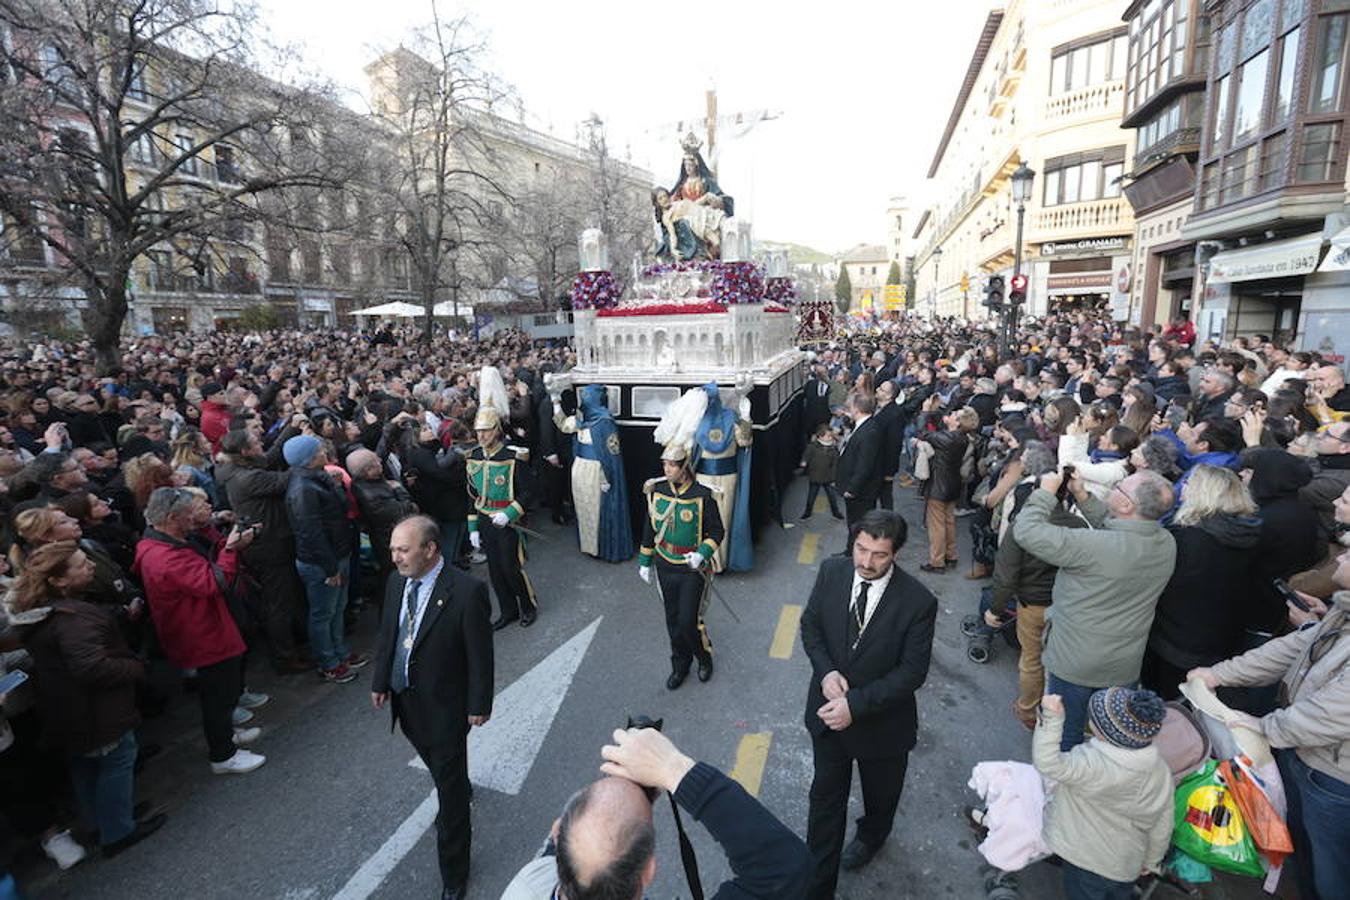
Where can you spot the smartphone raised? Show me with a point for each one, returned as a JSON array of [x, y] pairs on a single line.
[[1289, 594], [11, 680]]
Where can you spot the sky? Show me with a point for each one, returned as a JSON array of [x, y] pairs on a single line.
[[863, 88]]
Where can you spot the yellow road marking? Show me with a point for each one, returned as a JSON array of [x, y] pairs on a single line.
[[822, 503], [751, 755], [785, 635], [810, 544]]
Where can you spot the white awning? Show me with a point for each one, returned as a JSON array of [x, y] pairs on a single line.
[[1276, 259], [1338, 257]]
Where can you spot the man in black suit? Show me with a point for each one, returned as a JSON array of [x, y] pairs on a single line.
[[858, 478], [888, 420], [434, 668], [868, 631]]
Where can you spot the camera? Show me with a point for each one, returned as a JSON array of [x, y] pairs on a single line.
[[1062, 494], [641, 721]]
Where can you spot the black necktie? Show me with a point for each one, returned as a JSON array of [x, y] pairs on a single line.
[[859, 615]]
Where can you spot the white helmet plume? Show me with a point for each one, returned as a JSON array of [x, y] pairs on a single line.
[[492, 391], [679, 423]]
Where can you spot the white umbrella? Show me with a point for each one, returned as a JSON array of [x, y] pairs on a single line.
[[395, 310]]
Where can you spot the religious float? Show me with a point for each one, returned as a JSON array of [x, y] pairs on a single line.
[[702, 311]]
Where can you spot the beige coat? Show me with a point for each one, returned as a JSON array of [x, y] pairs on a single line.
[[1111, 811], [1315, 720]]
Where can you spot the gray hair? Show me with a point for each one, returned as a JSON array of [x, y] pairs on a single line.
[[168, 501], [1152, 496], [1038, 459], [1160, 455]]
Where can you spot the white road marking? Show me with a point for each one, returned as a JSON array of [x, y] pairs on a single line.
[[501, 753]]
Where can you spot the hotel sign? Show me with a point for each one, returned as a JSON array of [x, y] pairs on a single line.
[[1277, 259], [1086, 245]]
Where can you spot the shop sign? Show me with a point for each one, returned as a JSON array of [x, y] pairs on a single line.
[[318, 304], [1338, 257], [1085, 282], [1086, 245], [1277, 259]]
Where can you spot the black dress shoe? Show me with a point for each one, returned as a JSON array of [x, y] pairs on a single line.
[[527, 618], [705, 669], [142, 831], [502, 621], [856, 855], [676, 679], [935, 570], [453, 893]]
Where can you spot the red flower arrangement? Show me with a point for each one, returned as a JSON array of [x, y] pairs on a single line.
[[780, 290], [595, 290], [663, 309], [738, 282]]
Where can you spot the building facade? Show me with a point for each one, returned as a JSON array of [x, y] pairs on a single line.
[[1045, 87], [867, 266], [1271, 191]]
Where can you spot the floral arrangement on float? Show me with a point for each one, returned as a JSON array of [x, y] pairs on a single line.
[[595, 290]]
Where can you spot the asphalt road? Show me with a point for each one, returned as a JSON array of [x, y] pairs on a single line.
[[337, 798]]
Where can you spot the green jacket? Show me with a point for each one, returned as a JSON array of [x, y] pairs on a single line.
[[1109, 579]]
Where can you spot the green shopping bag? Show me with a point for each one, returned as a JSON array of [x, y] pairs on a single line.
[[1209, 827]]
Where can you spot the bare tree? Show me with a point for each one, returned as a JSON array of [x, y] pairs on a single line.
[[547, 218], [135, 126], [614, 201], [443, 198]]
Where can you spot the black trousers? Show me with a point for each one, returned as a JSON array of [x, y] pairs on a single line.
[[886, 498], [830, 493], [506, 569], [218, 687], [448, 763], [684, 594], [283, 602], [882, 781], [853, 511]]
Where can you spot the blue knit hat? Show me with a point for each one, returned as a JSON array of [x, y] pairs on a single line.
[[300, 449], [1125, 717]]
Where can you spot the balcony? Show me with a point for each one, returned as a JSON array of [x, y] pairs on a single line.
[[1092, 102], [1090, 219]]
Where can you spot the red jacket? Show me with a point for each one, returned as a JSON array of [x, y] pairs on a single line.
[[215, 422], [1185, 334], [186, 604]]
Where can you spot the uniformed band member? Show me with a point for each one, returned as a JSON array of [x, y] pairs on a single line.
[[681, 532], [494, 486]]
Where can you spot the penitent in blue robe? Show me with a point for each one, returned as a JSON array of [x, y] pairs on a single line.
[[616, 531]]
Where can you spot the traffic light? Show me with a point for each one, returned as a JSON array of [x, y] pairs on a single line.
[[993, 292], [1017, 295]]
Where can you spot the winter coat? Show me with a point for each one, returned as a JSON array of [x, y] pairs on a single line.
[[1289, 531], [1169, 387], [215, 422], [944, 482], [821, 461], [317, 509], [1313, 667], [1098, 477], [1109, 579], [258, 494], [85, 676], [1111, 811], [1022, 577], [1200, 613], [437, 483], [187, 605], [383, 505], [892, 431]]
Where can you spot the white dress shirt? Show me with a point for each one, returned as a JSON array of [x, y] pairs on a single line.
[[878, 587], [426, 584]]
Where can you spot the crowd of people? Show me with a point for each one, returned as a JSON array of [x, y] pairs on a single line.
[[1144, 508]]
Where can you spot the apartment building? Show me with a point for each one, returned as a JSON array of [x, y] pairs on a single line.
[[867, 266], [1271, 191], [1045, 87]]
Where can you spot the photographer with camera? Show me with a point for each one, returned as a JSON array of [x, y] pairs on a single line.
[[1109, 579], [603, 845]]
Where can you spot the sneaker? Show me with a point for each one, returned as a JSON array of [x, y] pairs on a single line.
[[63, 849], [245, 736], [357, 660], [339, 674], [240, 716], [242, 761], [253, 699]]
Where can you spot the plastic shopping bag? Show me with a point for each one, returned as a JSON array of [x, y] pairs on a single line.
[[1265, 824], [1209, 825]]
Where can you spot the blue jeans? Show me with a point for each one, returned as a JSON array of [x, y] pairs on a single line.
[[103, 785], [326, 605], [1075, 708], [1080, 884], [452, 539], [1319, 822]]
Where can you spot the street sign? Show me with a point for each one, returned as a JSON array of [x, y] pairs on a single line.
[[1019, 282], [965, 283], [894, 296]]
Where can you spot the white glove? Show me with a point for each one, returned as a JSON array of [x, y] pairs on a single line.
[[743, 409], [694, 559], [604, 488], [501, 519], [645, 573], [475, 540]]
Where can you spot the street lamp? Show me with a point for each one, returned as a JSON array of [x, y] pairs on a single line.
[[937, 282], [1022, 178]]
